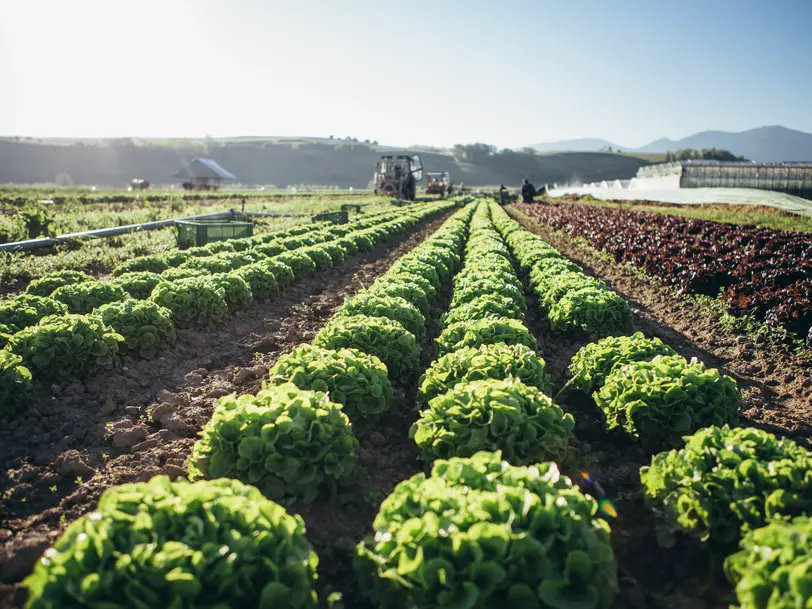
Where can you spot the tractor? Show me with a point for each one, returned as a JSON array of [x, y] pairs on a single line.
[[139, 184], [397, 176], [438, 183]]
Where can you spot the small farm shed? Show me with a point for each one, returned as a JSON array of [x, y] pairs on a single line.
[[203, 174]]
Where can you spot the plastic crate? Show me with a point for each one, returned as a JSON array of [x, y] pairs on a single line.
[[351, 207], [336, 217], [192, 233]]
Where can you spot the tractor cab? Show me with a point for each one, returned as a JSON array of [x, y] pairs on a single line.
[[397, 175]]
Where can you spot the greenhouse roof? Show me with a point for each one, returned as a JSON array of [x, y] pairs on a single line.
[[801, 164]]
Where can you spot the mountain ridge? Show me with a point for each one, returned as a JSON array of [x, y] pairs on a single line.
[[769, 143]]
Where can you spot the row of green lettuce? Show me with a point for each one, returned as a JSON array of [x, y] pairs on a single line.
[[292, 440], [725, 485], [494, 523], [342, 383], [70, 325], [71, 291], [477, 531], [487, 390], [719, 483], [570, 299]]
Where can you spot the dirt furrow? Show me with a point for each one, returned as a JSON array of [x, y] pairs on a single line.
[[142, 419]]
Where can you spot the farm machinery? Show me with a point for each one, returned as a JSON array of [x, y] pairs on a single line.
[[397, 175], [139, 184], [438, 183]]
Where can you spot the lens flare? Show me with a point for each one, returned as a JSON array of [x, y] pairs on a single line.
[[607, 508], [605, 505]]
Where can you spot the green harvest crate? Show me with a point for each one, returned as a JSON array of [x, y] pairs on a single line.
[[336, 217], [200, 232]]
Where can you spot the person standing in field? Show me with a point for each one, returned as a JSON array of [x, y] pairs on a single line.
[[528, 191], [503, 194]]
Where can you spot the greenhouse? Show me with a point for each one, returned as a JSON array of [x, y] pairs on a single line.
[[790, 178]]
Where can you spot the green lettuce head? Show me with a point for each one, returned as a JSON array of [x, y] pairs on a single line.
[[494, 361], [773, 569], [214, 543], [197, 301], [288, 442], [25, 310], [139, 284], [594, 362], [146, 327], [493, 414], [67, 346], [236, 291], [729, 480], [357, 381], [658, 402], [84, 297], [44, 286], [15, 385], [389, 341], [392, 307], [484, 332], [479, 532]]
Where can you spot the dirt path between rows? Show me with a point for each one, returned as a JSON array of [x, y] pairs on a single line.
[[775, 396], [142, 419]]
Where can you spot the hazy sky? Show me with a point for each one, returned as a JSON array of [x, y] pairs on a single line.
[[440, 72]]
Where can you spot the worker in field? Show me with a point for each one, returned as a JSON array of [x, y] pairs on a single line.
[[411, 187], [528, 191], [503, 194]]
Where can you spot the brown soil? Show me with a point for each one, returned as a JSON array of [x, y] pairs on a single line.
[[82, 438], [776, 396], [386, 456]]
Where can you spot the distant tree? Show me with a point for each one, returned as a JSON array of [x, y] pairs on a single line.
[[473, 153], [529, 150], [706, 154], [459, 152], [374, 142], [332, 137]]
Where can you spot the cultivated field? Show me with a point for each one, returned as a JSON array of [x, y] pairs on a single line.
[[436, 405], [24, 218]]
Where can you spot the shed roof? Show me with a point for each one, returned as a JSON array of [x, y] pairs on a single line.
[[204, 168]]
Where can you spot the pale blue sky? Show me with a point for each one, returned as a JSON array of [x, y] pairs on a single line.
[[509, 73]]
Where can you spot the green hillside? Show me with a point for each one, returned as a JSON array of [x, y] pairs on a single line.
[[286, 161]]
